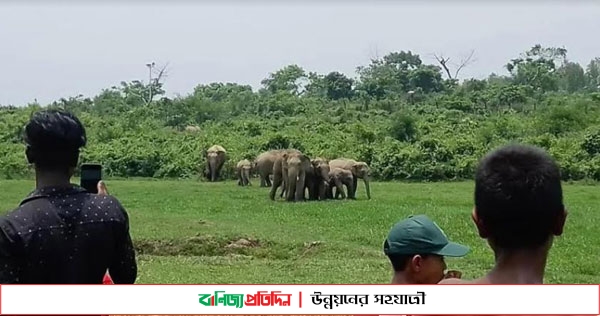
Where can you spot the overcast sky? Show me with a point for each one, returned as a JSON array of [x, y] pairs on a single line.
[[61, 50]]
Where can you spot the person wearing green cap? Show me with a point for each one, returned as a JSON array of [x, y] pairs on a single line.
[[416, 248]]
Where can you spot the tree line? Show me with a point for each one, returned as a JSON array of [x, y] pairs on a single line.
[[407, 119]]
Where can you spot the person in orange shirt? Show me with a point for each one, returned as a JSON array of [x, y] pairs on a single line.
[[518, 209]]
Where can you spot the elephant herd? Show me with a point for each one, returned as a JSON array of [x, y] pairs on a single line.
[[295, 173]]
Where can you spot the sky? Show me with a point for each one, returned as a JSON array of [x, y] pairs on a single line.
[[61, 49]]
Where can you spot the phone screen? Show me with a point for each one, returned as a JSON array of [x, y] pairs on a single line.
[[91, 174]]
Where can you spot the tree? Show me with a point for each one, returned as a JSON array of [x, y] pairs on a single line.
[[316, 86], [136, 91], [572, 77], [427, 77], [537, 67], [592, 74], [459, 66], [286, 79], [338, 86], [396, 74]]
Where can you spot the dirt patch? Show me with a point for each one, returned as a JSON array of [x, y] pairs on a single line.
[[231, 247], [204, 245], [311, 248], [311, 245], [243, 243]]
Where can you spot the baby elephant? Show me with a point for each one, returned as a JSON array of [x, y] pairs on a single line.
[[337, 178], [243, 170]]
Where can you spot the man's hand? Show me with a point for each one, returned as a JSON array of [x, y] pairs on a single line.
[[453, 274], [102, 188]]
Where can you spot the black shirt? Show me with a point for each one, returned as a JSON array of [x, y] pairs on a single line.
[[66, 236]]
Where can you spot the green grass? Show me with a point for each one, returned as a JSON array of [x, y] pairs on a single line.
[[182, 230]]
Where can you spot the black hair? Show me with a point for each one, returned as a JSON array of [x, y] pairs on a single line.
[[518, 196], [53, 139], [400, 262]]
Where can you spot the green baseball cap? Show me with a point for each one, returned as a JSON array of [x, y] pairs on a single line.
[[420, 235]]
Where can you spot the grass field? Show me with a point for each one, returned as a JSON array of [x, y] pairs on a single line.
[[192, 232]]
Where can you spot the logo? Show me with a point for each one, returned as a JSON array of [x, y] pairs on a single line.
[[261, 298], [236, 300]]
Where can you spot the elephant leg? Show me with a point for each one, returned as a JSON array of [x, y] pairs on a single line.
[[351, 188], [219, 169], [213, 172], [208, 172], [247, 176], [277, 180], [268, 180], [316, 190], [285, 184], [354, 185], [310, 185], [321, 187], [340, 188], [284, 187], [239, 176], [263, 182], [328, 192]]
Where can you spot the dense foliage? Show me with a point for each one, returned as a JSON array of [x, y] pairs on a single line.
[[400, 115]]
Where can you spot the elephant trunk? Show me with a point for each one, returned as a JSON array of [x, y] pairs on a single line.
[[366, 181], [324, 174], [292, 180], [213, 168], [246, 176]]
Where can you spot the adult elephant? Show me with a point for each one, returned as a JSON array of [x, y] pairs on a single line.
[[216, 156], [289, 171], [264, 165], [359, 169], [316, 179], [243, 170]]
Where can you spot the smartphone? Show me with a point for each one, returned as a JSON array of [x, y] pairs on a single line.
[[91, 174]]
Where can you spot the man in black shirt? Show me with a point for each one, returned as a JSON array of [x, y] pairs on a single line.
[[60, 233]]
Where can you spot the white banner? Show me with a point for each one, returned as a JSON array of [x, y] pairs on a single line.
[[299, 299]]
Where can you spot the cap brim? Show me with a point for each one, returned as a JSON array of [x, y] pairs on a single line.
[[453, 250]]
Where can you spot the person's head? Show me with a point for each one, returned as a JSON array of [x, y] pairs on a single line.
[[53, 139], [518, 198], [416, 247]]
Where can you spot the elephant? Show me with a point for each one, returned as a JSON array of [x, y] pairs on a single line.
[[192, 128], [339, 177], [317, 178], [264, 165], [359, 169], [215, 159], [289, 171], [243, 171]]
